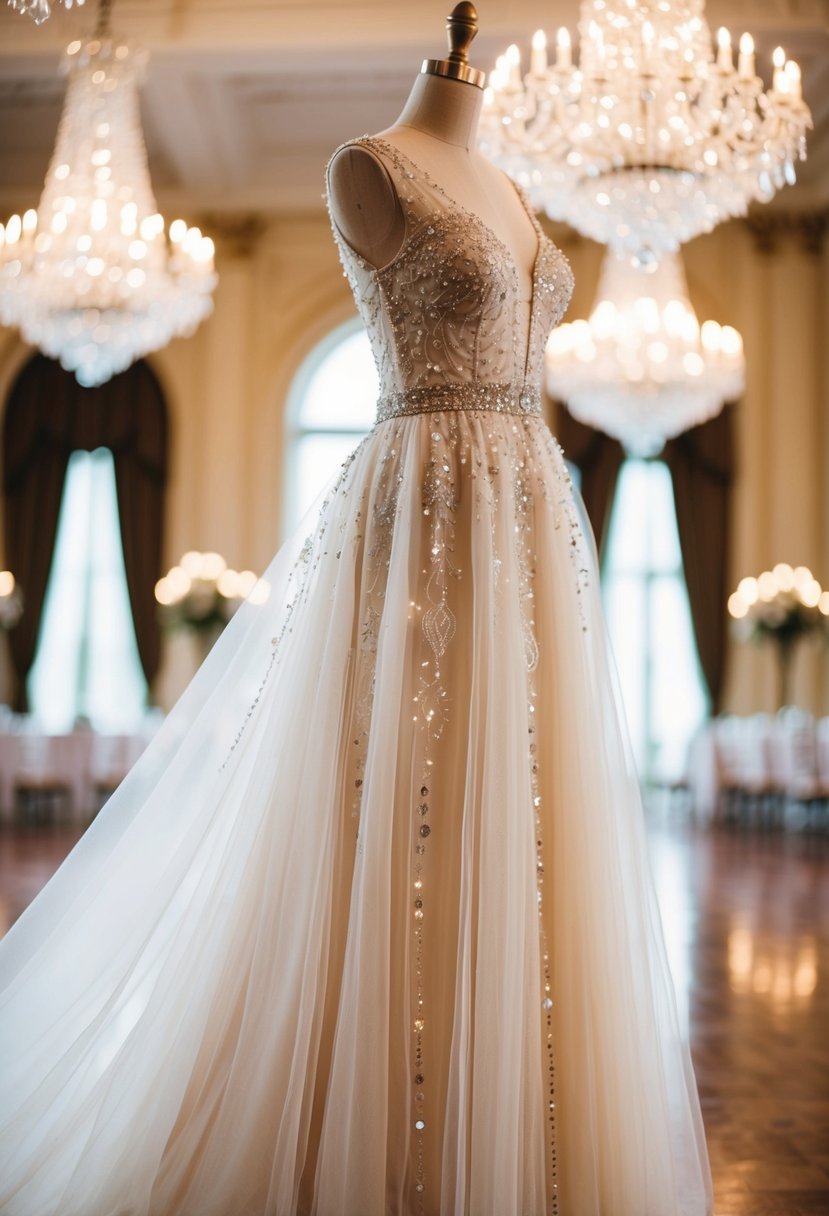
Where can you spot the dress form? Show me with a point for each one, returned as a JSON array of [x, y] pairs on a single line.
[[437, 129], [306, 960]]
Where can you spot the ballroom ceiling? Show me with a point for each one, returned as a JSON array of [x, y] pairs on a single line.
[[245, 99]]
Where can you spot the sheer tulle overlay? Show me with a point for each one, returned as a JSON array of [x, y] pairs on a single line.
[[212, 1008], [369, 930]]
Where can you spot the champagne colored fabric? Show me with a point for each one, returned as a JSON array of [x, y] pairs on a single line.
[[598, 459], [209, 1010], [369, 929]]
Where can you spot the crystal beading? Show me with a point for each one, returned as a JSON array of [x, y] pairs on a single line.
[[447, 323], [436, 398], [454, 347]]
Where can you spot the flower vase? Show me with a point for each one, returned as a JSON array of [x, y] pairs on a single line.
[[785, 668], [205, 637]]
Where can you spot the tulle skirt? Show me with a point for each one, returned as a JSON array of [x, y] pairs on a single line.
[[369, 929]]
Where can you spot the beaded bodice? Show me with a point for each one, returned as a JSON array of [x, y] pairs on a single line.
[[444, 316]]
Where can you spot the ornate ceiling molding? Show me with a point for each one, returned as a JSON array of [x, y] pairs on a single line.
[[236, 234]]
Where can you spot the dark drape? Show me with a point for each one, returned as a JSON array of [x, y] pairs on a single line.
[[49, 416], [598, 459], [701, 463], [32, 488], [702, 470]]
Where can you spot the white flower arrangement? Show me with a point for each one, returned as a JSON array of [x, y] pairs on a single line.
[[202, 592], [782, 605]]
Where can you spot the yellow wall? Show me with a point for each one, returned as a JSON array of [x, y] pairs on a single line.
[[227, 388]]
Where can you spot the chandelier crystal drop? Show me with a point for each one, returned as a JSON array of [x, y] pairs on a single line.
[[642, 369], [41, 10], [655, 136], [92, 277]]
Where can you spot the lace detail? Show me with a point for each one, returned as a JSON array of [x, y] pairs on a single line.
[[449, 334], [298, 587], [445, 313]]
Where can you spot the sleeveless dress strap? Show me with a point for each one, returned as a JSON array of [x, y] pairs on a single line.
[[414, 191]]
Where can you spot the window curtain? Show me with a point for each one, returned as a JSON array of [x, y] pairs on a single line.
[[48, 416], [598, 459], [702, 466]]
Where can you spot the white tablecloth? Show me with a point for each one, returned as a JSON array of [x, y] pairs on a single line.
[[704, 776], [783, 756], [79, 760]]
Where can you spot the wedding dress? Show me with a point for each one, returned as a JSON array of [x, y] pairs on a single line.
[[370, 929]]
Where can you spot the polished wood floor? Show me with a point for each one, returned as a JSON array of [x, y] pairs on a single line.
[[747, 926]]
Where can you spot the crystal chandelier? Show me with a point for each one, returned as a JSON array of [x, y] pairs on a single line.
[[41, 10], [654, 137], [642, 369], [92, 278]]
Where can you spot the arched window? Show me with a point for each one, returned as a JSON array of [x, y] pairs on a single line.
[[649, 620], [84, 478], [332, 404], [86, 664]]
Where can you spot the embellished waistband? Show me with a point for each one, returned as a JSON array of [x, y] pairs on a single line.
[[434, 398]]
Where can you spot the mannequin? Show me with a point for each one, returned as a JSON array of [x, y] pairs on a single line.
[[277, 995], [437, 129]]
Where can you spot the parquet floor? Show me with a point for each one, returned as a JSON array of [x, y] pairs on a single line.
[[747, 923], [747, 926]]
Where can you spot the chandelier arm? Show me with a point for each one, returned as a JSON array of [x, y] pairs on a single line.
[[103, 25], [642, 368], [94, 276], [655, 135]]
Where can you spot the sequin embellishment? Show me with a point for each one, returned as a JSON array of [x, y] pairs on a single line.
[[449, 334], [428, 399]]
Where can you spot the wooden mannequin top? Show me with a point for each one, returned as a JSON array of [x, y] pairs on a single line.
[[437, 130]]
